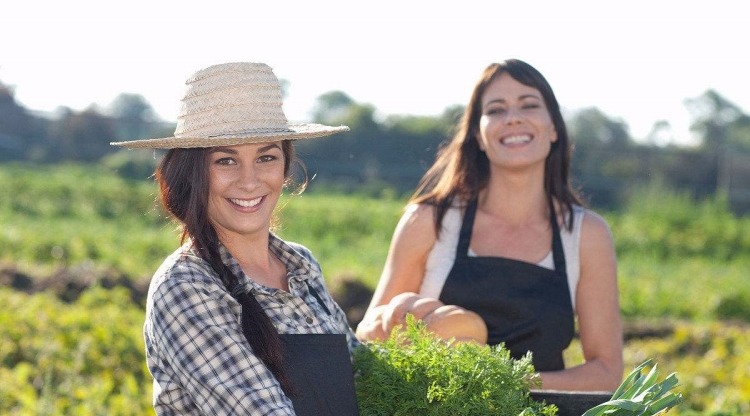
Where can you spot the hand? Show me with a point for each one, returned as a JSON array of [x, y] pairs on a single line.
[[457, 323], [394, 313], [380, 320], [445, 321]]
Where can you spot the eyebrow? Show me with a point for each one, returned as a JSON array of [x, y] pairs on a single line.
[[522, 97], [269, 147], [225, 149]]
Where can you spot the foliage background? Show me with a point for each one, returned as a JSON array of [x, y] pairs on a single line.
[[70, 346], [81, 233]]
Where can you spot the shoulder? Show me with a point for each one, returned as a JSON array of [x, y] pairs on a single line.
[[301, 250], [182, 272], [416, 228], [419, 212], [593, 221], [418, 218], [294, 254], [595, 230]]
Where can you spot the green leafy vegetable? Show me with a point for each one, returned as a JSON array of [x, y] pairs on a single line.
[[414, 373], [640, 395]]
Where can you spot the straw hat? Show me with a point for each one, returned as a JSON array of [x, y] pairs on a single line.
[[230, 104]]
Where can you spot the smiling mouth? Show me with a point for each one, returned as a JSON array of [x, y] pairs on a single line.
[[246, 203], [517, 139]]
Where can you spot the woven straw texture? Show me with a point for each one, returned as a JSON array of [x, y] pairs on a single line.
[[230, 104]]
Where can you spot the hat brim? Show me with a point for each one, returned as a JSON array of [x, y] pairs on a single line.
[[293, 132]]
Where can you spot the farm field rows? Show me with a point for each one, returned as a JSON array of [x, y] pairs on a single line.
[[69, 346]]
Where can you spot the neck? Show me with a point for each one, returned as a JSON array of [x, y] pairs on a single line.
[[515, 198], [256, 259]]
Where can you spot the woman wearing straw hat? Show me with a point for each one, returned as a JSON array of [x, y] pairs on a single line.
[[239, 321], [495, 228]]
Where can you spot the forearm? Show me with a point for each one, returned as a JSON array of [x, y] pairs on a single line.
[[594, 375]]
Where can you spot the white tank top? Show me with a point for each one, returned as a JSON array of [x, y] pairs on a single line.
[[443, 253]]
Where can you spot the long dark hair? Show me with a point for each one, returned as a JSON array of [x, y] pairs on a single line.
[[183, 181], [461, 170]]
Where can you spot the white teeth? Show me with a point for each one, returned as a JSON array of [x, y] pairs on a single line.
[[517, 139], [246, 203]]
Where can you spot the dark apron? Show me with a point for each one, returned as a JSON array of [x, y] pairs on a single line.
[[524, 305], [320, 369]]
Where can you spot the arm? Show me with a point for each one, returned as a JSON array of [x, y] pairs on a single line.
[[199, 344], [402, 274], [598, 313]]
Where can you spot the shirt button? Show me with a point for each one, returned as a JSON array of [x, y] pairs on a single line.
[[309, 320]]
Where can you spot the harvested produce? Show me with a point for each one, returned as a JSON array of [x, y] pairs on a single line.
[[415, 373], [640, 395]]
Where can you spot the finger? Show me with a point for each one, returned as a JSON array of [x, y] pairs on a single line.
[[396, 310], [423, 307]]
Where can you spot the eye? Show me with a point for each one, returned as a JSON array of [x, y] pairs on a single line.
[[267, 158], [225, 161], [494, 110], [532, 103]]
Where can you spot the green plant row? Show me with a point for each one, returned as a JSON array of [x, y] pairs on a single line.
[[712, 362], [84, 358], [77, 217], [87, 357], [664, 224]]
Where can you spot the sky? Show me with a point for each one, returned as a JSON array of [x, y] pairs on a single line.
[[637, 61]]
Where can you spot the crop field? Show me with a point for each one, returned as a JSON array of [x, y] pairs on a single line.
[[78, 245]]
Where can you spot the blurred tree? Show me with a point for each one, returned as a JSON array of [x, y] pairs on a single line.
[[719, 122], [602, 162], [332, 107], [18, 131], [133, 116], [591, 126], [740, 132], [82, 136], [393, 153], [661, 134], [724, 130]]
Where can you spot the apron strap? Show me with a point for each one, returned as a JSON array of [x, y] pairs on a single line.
[[558, 254], [318, 298], [464, 238]]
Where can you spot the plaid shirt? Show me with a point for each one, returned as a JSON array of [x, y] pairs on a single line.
[[195, 349]]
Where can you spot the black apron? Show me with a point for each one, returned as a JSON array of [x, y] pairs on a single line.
[[524, 305], [320, 369]]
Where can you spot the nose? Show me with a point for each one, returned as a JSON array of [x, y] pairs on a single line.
[[512, 116], [248, 177]]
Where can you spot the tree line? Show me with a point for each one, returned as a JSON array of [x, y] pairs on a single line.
[[390, 154]]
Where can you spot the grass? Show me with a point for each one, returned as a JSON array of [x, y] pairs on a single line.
[[678, 260]]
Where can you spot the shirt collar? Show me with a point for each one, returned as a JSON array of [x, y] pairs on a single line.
[[297, 267]]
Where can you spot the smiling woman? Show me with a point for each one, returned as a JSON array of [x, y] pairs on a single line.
[[239, 321], [496, 229]]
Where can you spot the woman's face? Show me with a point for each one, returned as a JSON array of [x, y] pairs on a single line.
[[515, 128], [245, 183]]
